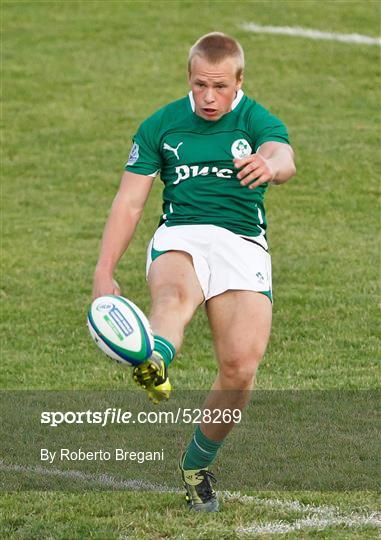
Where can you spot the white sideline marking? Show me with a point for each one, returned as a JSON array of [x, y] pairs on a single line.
[[290, 506], [311, 34], [311, 522], [320, 516], [104, 480]]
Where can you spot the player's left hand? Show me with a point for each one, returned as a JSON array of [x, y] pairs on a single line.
[[254, 167]]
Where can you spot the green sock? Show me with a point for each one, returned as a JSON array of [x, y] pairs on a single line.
[[201, 451], [165, 349]]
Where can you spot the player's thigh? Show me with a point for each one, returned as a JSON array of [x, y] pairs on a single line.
[[241, 323], [172, 276]]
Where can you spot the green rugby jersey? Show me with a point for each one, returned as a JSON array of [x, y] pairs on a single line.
[[195, 160]]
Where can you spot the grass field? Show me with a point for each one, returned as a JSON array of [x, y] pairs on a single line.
[[77, 79]]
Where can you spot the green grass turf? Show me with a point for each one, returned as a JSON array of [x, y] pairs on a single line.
[[149, 516], [78, 77]]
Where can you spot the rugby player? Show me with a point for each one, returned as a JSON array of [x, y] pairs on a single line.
[[216, 151]]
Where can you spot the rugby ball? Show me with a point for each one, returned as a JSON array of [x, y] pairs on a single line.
[[120, 329]]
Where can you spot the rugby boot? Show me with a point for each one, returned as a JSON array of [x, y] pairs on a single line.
[[152, 375], [200, 495]]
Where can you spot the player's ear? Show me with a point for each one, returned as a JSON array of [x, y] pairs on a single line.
[[189, 71], [239, 80]]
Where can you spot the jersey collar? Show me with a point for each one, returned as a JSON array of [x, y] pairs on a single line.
[[236, 101]]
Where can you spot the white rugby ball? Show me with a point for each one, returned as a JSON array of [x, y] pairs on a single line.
[[120, 329]]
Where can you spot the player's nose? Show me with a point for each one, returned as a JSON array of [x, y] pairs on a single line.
[[209, 95]]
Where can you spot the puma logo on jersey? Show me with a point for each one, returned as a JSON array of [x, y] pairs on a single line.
[[184, 172], [174, 150]]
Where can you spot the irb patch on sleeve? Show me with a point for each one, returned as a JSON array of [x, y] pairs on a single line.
[[134, 154]]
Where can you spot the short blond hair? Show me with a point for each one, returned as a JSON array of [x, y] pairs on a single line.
[[216, 47]]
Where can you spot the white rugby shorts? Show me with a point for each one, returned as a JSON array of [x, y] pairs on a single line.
[[222, 259]]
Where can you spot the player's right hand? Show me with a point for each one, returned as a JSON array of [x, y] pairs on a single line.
[[104, 284]]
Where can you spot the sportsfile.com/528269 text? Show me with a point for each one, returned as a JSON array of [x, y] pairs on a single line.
[[119, 416]]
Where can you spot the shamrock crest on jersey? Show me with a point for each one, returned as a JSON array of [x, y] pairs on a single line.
[[241, 148]]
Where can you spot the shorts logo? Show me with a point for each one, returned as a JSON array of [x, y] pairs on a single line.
[[241, 148], [260, 277], [134, 154]]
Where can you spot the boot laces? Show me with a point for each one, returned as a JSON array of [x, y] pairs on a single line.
[[205, 489]]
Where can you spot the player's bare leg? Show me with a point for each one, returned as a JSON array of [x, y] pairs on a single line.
[[175, 296], [240, 323]]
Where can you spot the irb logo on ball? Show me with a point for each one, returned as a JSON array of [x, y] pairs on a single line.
[[120, 329], [116, 320]]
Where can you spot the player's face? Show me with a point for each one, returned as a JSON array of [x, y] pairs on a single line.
[[214, 86]]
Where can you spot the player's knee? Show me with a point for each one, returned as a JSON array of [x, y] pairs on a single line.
[[239, 376], [172, 297], [240, 368]]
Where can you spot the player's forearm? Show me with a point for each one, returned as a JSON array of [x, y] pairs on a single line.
[[281, 160], [117, 235]]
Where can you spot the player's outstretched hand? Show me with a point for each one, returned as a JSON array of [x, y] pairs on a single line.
[[104, 284], [255, 170]]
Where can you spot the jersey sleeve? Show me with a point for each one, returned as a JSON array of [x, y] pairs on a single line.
[[266, 127], [145, 156]]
